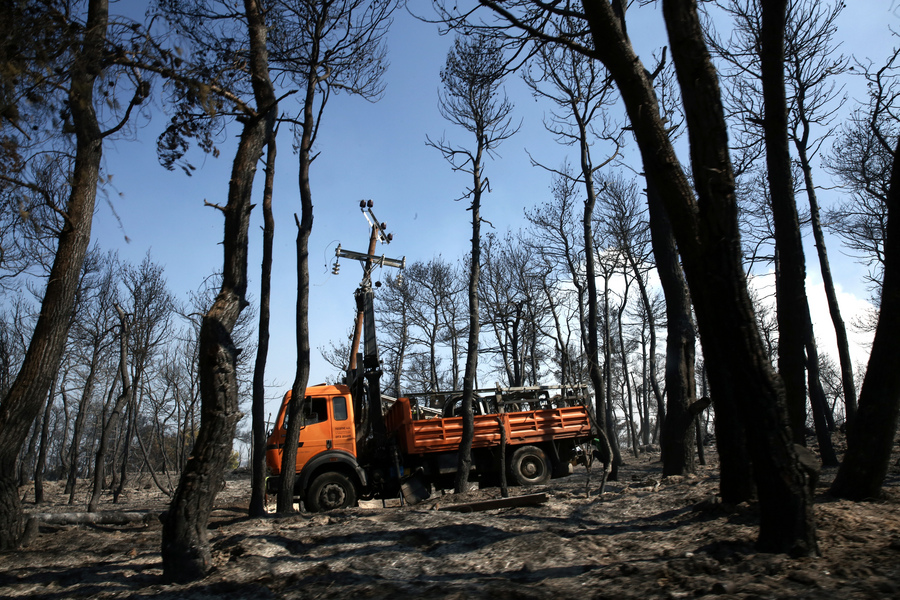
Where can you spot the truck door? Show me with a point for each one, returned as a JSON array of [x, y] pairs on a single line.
[[342, 426], [315, 434]]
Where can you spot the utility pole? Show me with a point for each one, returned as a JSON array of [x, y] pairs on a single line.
[[369, 424]]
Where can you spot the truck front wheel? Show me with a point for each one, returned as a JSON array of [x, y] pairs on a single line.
[[330, 491], [529, 466]]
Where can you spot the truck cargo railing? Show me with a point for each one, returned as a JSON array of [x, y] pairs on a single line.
[[499, 399], [417, 436]]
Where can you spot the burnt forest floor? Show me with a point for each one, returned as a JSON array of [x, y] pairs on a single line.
[[645, 537]]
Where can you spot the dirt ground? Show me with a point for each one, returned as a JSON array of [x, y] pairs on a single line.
[[645, 537]]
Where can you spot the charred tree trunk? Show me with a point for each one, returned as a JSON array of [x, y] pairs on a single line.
[[27, 461], [651, 356], [817, 401], [698, 433], [122, 481], [626, 376], [185, 546], [818, 404], [676, 435], [64, 429], [790, 264], [468, 414], [27, 394], [285, 498], [608, 420], [258, 453]]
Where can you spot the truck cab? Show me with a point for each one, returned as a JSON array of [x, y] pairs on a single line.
[[327, 468]]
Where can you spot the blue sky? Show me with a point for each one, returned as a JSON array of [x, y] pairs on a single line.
[[376, 151]]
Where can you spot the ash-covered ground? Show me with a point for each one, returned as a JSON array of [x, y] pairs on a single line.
[[645, 537]]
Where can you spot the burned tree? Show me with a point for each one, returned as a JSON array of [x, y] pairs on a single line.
[[471, 99], [73, 47], [322, 46], [185, 547]]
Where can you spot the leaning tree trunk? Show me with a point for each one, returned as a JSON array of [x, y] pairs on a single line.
[[28, 392], [125, 441], [870, 437], [185, 546]]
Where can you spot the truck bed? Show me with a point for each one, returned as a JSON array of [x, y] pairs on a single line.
[[444, 435]]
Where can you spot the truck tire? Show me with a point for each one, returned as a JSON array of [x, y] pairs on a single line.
[[529, 466], [330, 491]]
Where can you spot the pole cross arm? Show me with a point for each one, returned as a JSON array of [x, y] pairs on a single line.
[[375, 260]]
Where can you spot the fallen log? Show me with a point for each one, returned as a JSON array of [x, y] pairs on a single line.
[[515, 501], [109, 517]]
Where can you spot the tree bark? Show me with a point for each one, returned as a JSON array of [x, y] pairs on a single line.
[[28, 392], [185, 545]]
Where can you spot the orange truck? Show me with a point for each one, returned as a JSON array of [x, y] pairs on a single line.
[[419, 451]]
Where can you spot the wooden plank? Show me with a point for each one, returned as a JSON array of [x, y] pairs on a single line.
[[515, 501]]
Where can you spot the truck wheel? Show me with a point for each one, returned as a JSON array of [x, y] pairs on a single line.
[[330, 491], [529, 466]]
